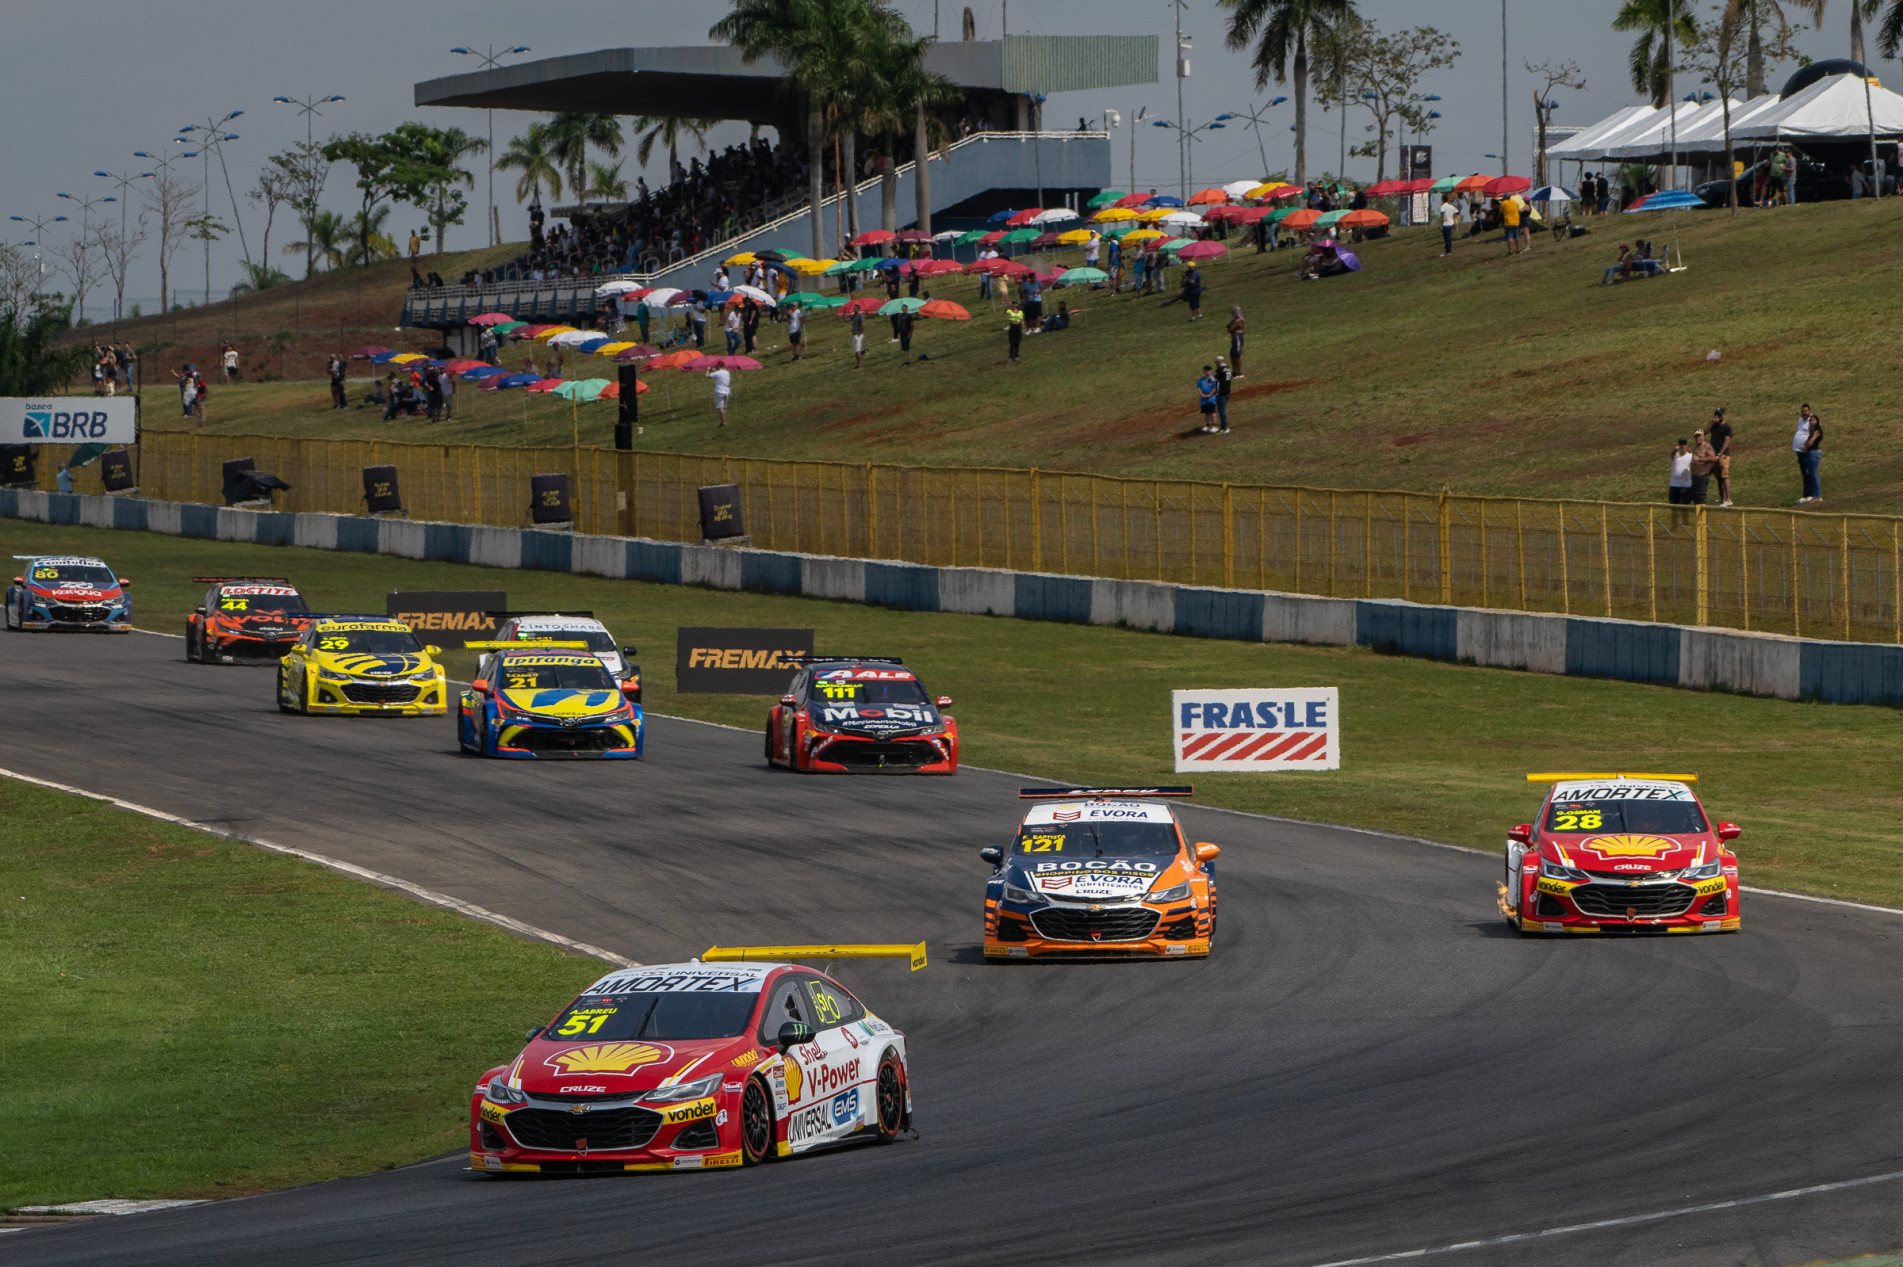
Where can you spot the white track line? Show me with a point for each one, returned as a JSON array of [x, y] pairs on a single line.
[[1630, 1219], [430, 896]]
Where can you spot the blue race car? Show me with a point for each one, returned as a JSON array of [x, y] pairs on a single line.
[[548, 699], [61, 591]]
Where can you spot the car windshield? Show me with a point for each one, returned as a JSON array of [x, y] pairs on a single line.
[[1099, 840], [674, 1016], [368, 642], [73, 574], [906, 691], [1670, 818], [255, 604], [556, 677]]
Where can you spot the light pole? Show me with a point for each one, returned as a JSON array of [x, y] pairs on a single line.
[[1503, 88], [124, 181], [39, 230], [1183, 137], [86, 206], [1182, 73], [164, 165], [212, 137], [1255, 117], [490, 59], [1671, 63], [308, 108], [1431, 114]]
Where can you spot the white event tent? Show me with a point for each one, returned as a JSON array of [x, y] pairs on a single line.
[[1833, 108]]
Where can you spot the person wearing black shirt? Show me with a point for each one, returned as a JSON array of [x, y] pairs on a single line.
[[1719, 437]]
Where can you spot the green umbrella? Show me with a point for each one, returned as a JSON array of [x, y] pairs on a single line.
[[1329, 220], [1105, 198], [583, 388], [503, 327], [971, 237], [860, 266], [838, 267], [812, 302], [1444, 184], [1084, 275], [1174, 244], [1025, 234], [1282, 213], [802, 299], [900, 305]]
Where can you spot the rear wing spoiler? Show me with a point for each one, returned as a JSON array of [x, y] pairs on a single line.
[[219, 580], [1104, 793], [512, 615], [840, 659], [1568, 777], [525, 645], [741, 954]]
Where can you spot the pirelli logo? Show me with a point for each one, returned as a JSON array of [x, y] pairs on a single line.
[[720, 661], [448, 617]]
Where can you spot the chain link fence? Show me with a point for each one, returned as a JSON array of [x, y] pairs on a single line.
[[1821, 576]]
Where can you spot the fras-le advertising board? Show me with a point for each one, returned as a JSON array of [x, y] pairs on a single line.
[[1291, 728]]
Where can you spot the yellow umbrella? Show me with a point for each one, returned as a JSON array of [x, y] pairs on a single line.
[[1261, 190], [551, 332], [1109, 214], [803, 265], [1143, 235], [407, 357], [1076, 237], [745, 257], [1154, 214], [609, 349]]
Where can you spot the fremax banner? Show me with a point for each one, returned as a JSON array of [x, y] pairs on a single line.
[[68, 420], [728, 661], [1290, 728], [449, 618]]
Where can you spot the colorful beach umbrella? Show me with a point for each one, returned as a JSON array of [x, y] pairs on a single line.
[[944, 310], [1201, 251], [1105, 198]]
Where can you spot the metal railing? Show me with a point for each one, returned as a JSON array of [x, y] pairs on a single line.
[[1778, 571]]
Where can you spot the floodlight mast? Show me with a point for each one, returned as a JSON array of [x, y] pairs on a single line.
[[491, 58]]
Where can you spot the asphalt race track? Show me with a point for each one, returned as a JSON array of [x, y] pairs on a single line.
[[1371, 1063]]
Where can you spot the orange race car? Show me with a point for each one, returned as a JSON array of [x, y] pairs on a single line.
[[1100, 871], [245, 618]]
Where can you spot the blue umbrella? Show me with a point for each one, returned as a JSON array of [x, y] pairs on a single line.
[[516, 380], [481, 372], [714, 299], [589, 345], [383, 358], [1552, 193], [893, 261], [1667, 200], [1164, 200], [1004, 215]]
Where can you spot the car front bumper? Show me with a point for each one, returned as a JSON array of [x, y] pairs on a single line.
[[1166, 930], [857, 754], [1548, 906], [561, 1137]]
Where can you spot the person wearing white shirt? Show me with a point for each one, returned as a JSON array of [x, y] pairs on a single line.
[[1449, 219], [1678, 489], [723, 387]]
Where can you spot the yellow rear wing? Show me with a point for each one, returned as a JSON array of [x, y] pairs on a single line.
[[1562, 778], [740, 954], [507, 646]]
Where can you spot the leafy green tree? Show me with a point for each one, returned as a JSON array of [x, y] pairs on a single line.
[[571, 133], [1282, 31], [605, 183], [32, 362], [668, 131], [328, 240], [1381, 72], [405, 165], [1651, 60], [533, 154], [305, 169]]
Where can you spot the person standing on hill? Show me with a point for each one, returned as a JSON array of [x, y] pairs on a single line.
[[858, 339], [723, 388], [1678, 488], [1014, 330], [1719, 436], [1601, 193], [902, 321], [1510, 218], [1223, 377], [1206, 398], [732, 323], [229, 361], [336, 370], [1449, 221], [796, 332], [1235, 338], [1704, 462], [1808, 444]]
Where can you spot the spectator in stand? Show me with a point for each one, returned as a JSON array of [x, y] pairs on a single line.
[[1678, 488], [1719, 436], [1808, 444]]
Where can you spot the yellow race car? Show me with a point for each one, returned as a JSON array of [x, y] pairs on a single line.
[[362, 665]]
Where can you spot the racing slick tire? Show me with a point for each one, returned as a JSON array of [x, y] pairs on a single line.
[[756, 1124], [769, 743], [302, 704], [889, 1097], [13, 622], [195, 646]]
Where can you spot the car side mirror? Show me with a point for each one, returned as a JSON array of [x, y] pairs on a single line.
[[630, 651], [631, 687], [432, 651], [1521, 832], [993, 855], [794, 1033], [1206, 852], [788, 700], [199, 610], [124, 584], [1729, 831], [479, 686], [19, 580], [535, 1032]]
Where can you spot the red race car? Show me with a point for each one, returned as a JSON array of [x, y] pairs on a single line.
[[1621, 853], [694, 1066], [245, 618], [861, 715]]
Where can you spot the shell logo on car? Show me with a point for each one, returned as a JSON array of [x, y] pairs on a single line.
[[608, 1057], [1626, 845], [795, 1080]]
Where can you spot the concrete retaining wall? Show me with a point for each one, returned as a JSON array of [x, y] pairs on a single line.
[[1726, 659]]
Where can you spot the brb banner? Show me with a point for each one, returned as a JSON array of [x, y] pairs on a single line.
[[68, 420], [1296, 729]]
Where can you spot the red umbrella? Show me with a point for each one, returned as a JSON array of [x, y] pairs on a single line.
[[913, 235], [1011, 268], [874, 237], [932, 268], [992, 239], [1292, 191], [1249, 215], [1500, 186], [1386, 188], [1024, 217], [721, 362], [367, 351], [1044, 239], [860, 305], [490, 319], [1203, 250], [945, 310], [639, 352], [1227, 211], [458, 367], [545, 385], [1132, 200]]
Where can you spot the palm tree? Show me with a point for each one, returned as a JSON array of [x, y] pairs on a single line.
[[367, 232], [669, 131], [533, 155], [1285, 29], [329, 232], [445, 207], [1651, 59], [605, 183], [570, 135], [1890, 33]]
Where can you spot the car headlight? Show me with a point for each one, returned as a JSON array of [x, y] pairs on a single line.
[[684, 1090], [1012, 893], [427, 675], [1174, 894], [1553, 871], [500, 1092], [1709, 871]]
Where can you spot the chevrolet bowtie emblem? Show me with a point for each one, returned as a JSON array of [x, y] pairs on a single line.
[[1095, 907], [578, 1108]]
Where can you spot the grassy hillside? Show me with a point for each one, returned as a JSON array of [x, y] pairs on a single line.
[[1479, 372]]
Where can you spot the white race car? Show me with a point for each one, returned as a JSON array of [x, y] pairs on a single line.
[[569, 627]]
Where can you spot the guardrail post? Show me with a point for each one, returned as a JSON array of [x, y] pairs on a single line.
[[1228, 539], [1446, 557], [1845, 524], [1298, 540], [1896, 578], [1652, 560], [872, 515], [1797, 585], [1605, 556], [1703, 561], [1744, 573], [1565, 565]]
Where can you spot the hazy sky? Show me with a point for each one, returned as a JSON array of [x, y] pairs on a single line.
[[84, 88]]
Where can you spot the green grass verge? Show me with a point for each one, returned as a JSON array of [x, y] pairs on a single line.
[[1430, 749], [188, 1016], [1481, 373]]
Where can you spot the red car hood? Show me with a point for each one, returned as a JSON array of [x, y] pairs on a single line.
[[613, 1065], [1632, 853]]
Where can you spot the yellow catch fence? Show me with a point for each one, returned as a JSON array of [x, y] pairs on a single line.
[[1780, 571]]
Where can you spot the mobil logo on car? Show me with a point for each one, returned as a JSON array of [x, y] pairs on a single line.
[[1290, 728]]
